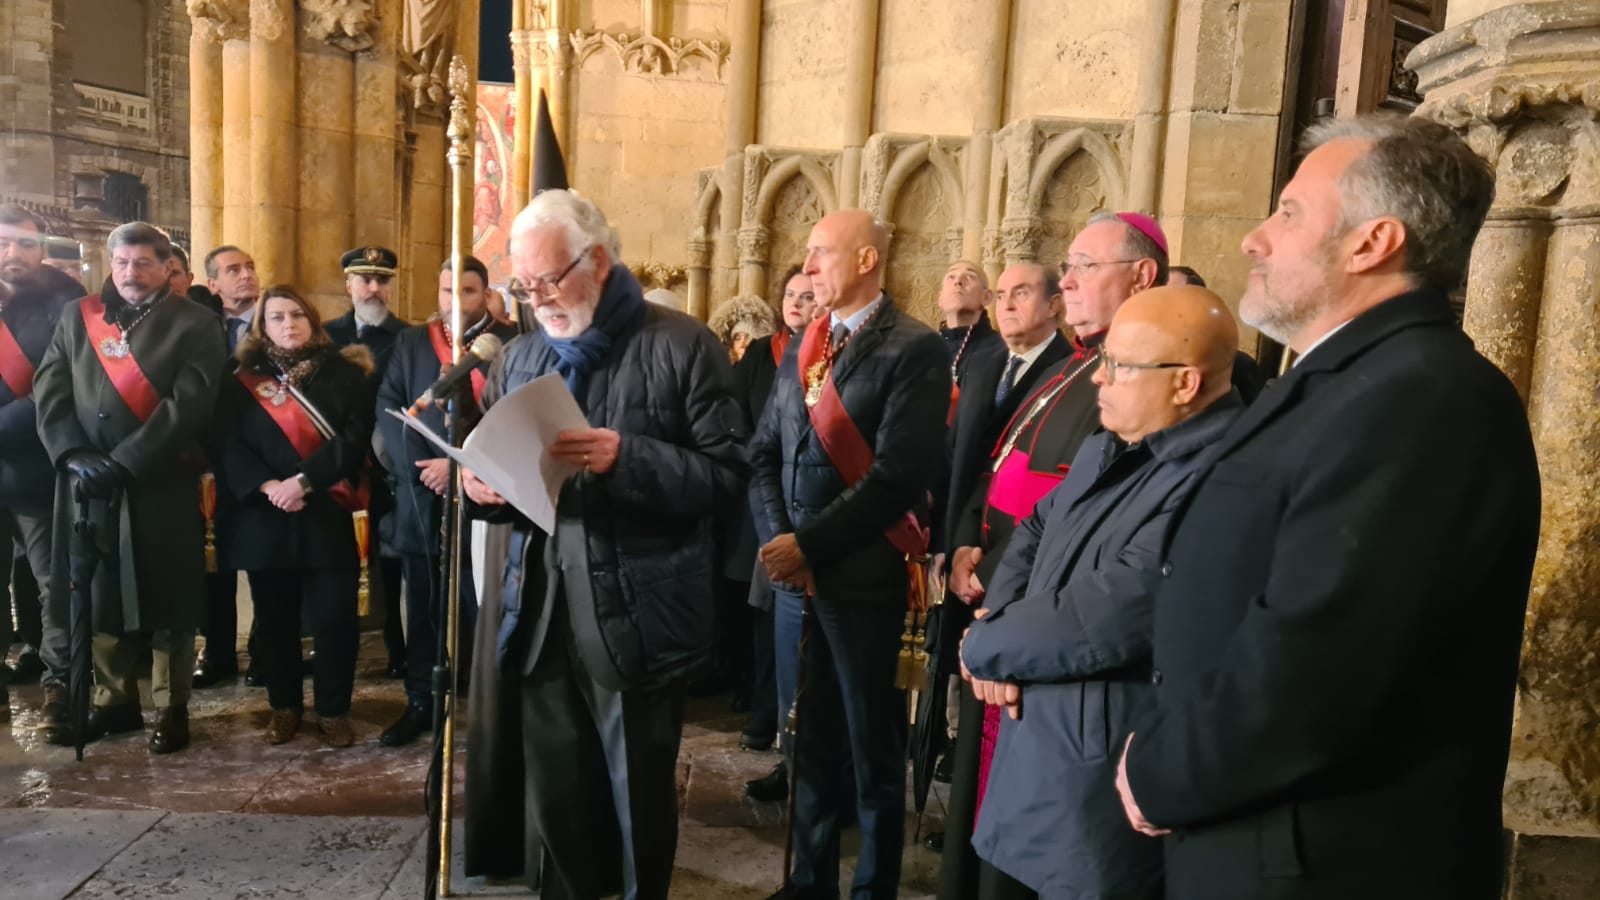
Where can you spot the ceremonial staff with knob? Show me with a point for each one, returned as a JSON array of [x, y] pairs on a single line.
[[459, 132]]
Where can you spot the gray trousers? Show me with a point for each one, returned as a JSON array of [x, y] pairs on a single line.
[[30, 527], [116, 661]]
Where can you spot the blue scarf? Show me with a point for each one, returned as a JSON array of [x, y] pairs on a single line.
[[620, 310]]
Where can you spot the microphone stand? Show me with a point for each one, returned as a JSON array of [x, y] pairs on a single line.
[[436, 876]]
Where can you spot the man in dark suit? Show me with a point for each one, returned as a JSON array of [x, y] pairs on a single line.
[[368, 275], [1336, 642], [999, 377], [420, 476], [840, 466]]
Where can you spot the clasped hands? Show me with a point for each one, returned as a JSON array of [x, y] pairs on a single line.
[[786, 564], [286, 494], [97, 474], [995, 693]]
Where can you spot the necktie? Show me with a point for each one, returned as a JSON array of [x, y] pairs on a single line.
[[1007, 379], [840, 335], [236, 327]]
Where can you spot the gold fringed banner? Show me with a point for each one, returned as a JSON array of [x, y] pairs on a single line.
[[208, 508], [360, 520], [911, 672]]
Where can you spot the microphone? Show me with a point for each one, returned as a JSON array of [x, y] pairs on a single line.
[[486, 347]]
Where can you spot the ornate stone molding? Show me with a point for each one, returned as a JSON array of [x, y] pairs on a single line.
[[1019, 239], [522, 43], [346, 24], [648, 54], [659, 275], [1499, 66], [700, 253], [221, 20]]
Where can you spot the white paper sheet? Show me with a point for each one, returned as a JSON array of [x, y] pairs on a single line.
[[509, 450]]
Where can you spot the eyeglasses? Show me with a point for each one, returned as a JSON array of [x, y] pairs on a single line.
[[548, 289], [1111, 365], [1087, 268]]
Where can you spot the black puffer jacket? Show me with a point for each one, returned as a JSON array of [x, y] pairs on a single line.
[[31, 314], [643, 616], [894, 379]]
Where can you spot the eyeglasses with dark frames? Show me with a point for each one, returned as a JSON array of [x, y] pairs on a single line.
[[1111, 366], [548, 289]]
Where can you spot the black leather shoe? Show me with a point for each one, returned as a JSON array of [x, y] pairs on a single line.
[[29, 666], [412, 723], [255, 676], [944, 771], [5, 705], [172, 730], [208, 672], [397, 669], [104, 720], [756, 740], [770, 787], [934, 841]]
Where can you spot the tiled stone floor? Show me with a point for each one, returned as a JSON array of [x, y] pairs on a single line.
[[232, 817]]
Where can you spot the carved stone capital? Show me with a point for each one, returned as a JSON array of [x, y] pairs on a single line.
[[648, 54], [754, 244], [522, 51], [221, 20], [1019, 239], [346, 24], [1510, 61], [269, 19], [700, 253]]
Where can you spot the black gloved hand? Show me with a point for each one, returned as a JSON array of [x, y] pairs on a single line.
[[96, 474]]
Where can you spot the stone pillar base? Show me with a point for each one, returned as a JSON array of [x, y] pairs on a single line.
[[1552, 867]]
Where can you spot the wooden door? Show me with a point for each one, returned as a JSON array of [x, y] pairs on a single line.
[[1377, 35]]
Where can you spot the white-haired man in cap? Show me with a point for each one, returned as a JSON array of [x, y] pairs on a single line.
[[604, 619]]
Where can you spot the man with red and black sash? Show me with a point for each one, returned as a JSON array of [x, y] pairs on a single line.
[[1115, 256], [840, 486], [419, 478], [31, 298], [123, 395]]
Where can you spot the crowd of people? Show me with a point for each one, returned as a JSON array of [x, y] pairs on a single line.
[[1191, 633]]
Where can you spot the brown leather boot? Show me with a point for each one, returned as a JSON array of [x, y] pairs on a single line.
[[337, 730], [284, 724], [55, 717]]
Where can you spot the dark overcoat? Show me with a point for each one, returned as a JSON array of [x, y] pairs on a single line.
[[413, 367], [257, 535], [1070, 621], [1337, 637], [155, 578], [894, 380], [26, 478], [378, 338], [635, 545]]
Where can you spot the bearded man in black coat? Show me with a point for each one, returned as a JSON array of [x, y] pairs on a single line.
[[604, 618], [1337, 637]]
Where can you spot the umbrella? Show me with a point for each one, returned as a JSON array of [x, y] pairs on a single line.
[[82, 558], [929, 732]]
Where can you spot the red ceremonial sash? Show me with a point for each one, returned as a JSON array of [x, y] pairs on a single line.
[[130, 382], [16, 370], [780, 343], [441, 349], [842, 440], [290, 417], [296, 425]]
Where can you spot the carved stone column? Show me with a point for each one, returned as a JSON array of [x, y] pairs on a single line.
[[205, 135], [524, 90], [1520, 82], [237, 219], [754, 242], [558, 74], [991, 107], [860, 78], [699, 278], [274, 144]]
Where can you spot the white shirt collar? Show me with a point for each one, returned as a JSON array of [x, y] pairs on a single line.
[[1031, 355], [1320, 341], [857, 317]]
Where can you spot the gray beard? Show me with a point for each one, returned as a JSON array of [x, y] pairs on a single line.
[[370, 312]]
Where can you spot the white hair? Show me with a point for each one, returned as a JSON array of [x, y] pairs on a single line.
[[584, 223]]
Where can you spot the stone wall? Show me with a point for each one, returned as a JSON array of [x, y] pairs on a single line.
[[63, 134]]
